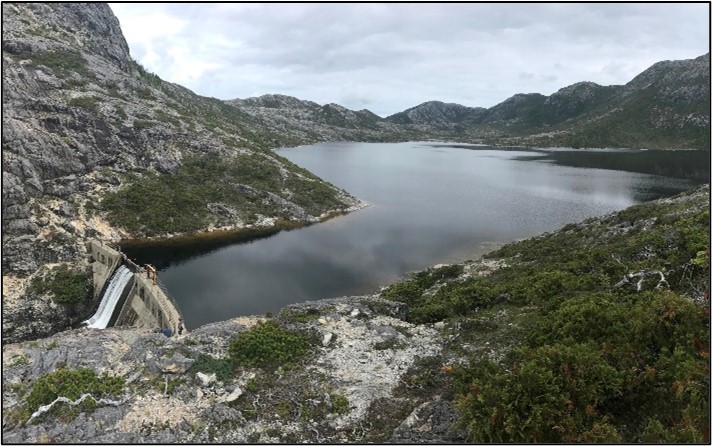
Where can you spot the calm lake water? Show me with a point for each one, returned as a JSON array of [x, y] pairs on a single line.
[[430, 203]]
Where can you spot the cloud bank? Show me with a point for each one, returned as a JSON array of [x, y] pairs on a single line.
[[389, 57]]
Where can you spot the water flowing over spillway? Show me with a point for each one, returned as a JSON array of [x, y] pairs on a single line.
[[111, 297]]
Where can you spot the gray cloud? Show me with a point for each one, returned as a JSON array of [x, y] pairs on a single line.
[[389, 57]]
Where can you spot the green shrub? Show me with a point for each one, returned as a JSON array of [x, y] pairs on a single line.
[[72, 384], [601, 367], [66, 286], [270, 345], [411, 291], [140, 124], [224, 368], [299, 316], [340, 404], [62, 62], [90, 103]]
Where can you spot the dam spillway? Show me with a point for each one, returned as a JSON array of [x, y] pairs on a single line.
[[111, 297], [132, 295]]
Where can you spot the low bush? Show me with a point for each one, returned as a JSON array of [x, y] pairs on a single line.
[[270, 345], [62, 62], [224, 368], [66, 286], [155, 204], [602, 368], [90, 103], [72, 384]]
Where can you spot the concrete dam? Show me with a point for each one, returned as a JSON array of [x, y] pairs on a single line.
[[132, 296]]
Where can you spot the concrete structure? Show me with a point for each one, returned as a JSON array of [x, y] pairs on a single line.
[[104, 260], [147, 304]]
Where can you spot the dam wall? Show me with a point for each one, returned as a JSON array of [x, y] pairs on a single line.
[[104, 260], [147, 304]]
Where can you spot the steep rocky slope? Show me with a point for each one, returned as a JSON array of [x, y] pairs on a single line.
[[90, 140], [450, 355]]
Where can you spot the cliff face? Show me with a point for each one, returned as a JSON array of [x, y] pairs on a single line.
[[83, 121]]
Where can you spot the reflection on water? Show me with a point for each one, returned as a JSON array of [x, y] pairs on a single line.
[[430, 203], [689, 164]]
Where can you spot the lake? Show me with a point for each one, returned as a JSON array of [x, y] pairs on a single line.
[[430, 203]]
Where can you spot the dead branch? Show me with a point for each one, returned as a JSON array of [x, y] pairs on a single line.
[[62, 399]]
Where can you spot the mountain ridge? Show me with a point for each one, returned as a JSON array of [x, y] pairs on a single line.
[[664, 107]]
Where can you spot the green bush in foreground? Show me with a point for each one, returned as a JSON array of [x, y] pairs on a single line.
[[600, 368], [224, 368], [269, 345], [72, 384]]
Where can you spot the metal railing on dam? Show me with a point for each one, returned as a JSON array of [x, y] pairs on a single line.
[[148, 303]]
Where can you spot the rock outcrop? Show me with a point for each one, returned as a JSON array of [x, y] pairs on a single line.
[[370, 350]]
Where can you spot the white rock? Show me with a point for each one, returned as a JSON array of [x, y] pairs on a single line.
[[327, 338], [235, 394], [355, 312], [205, 379], [439, 325], [322, 321]]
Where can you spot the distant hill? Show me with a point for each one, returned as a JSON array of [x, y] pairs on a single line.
[[667, 106], [437, 113], [302, 122]]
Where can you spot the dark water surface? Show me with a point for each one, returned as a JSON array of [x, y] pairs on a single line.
[[430, 203]]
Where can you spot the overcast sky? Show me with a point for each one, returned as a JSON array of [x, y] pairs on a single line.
[[389, 57]]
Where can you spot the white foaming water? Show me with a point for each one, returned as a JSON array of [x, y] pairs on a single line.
[[101, 318]]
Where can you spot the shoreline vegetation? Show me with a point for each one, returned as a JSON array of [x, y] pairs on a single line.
[[154, 249]]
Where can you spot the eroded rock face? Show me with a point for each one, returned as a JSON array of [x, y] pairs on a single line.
[[166, 401]]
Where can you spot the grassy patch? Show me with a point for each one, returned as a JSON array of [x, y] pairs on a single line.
[[90, 103], [19, 361], [224, 368], [299, 316], [62, 62], [411, 292]]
